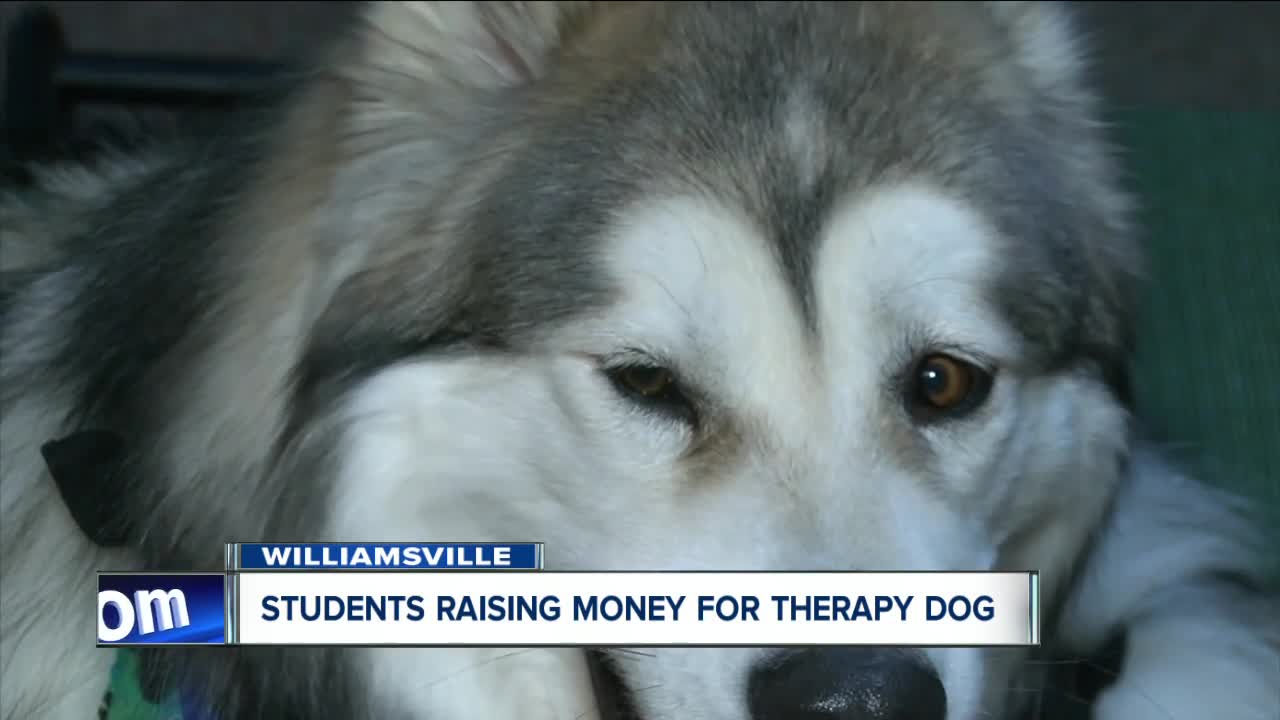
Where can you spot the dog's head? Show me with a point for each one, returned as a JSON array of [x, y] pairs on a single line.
[[720, 286]]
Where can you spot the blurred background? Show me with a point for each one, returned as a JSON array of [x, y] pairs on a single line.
[[1215, 56], [1221, 55]]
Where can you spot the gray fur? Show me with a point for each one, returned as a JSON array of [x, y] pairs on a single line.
[[216, 300]]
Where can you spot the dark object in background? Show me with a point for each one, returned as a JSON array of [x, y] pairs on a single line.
[[30, 112], [86, 467], [45, 83]]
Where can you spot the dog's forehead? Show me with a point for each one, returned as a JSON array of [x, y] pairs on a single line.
[[894, 268], [788, 113]]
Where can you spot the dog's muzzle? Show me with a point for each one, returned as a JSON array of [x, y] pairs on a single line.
[[846, 684], [864, 683]]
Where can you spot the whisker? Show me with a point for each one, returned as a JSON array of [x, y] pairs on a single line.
[[475, 666], [630, 653]]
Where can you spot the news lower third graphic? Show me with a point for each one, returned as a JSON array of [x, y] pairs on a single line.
[[170, 609], [385, 556], [499, 595]]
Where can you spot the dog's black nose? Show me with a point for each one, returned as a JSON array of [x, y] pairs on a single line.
[[847, 684]]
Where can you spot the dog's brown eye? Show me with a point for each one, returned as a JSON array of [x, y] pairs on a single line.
[[650, 382], [652, 387], [945, 385]]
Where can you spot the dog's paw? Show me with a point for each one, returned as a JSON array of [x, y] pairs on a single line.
[[1134, 701], [1196, 669]]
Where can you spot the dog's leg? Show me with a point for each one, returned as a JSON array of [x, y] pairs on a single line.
[[1177, 570]]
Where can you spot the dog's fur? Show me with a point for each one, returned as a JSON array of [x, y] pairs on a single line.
[[378, 309]]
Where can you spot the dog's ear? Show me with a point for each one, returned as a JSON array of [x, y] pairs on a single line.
[[1045, 41], [405, 98], [437, 57], [1046, 49], [473, 44]]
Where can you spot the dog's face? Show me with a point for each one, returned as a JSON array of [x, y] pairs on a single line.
[[733, 286]]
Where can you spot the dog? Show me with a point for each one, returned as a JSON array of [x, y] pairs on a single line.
[[668, 286]]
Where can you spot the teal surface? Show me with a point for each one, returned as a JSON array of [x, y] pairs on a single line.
[[1207, 372]]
